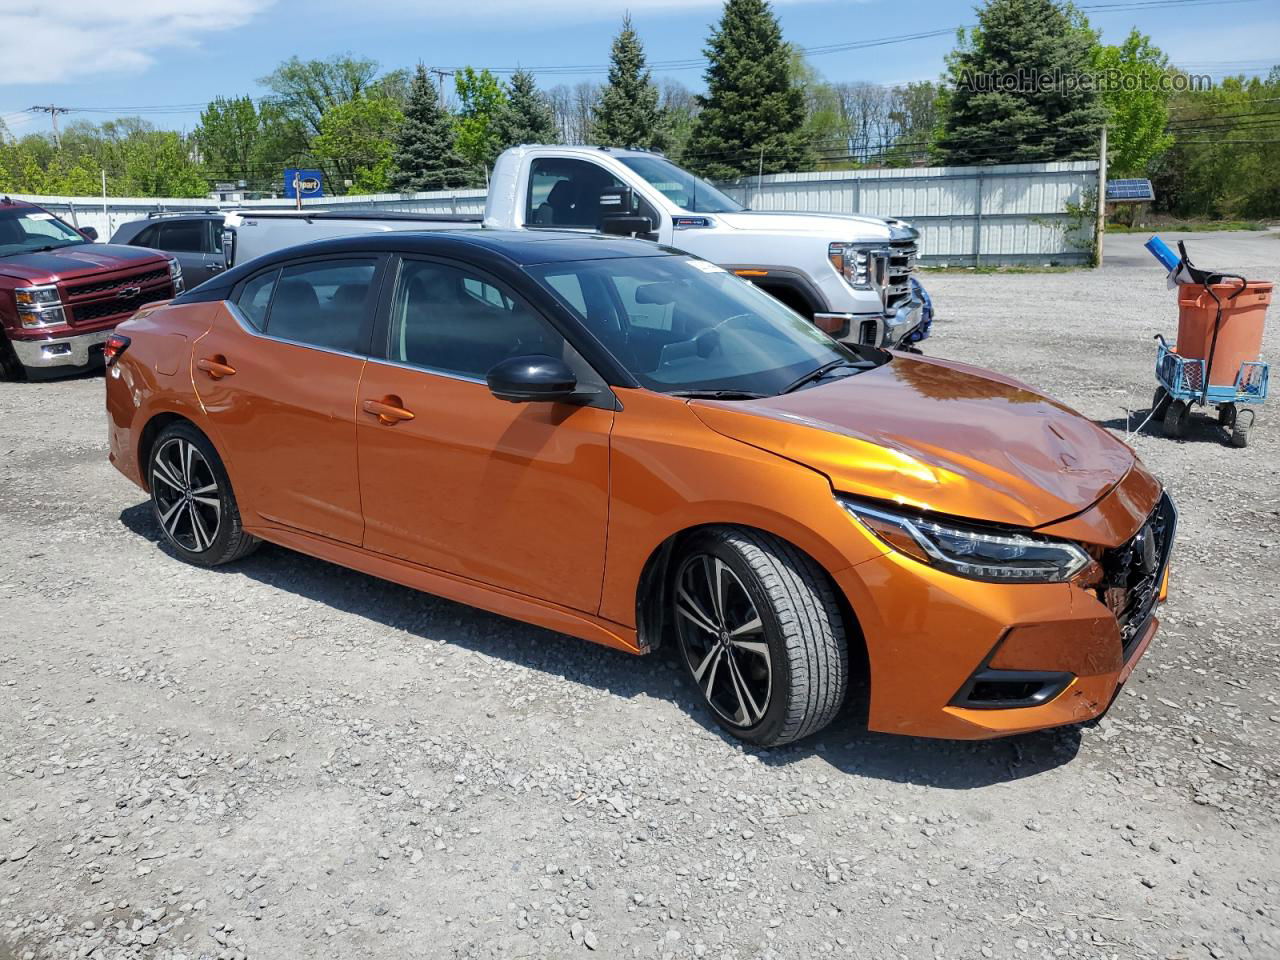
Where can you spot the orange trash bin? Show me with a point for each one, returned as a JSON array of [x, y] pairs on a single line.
[[1239, 330]]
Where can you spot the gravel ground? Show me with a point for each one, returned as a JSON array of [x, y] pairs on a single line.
[[286, 759]]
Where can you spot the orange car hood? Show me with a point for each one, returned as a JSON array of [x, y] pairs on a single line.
[[938, 435]]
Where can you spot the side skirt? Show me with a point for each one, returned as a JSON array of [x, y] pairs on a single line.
[[452, 587]]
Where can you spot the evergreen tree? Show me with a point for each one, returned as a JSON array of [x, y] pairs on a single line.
[[628, 114], [753, 113], [424, 157], [1015, 96], [528, 117]]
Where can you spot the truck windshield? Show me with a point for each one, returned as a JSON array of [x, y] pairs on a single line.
[[685, 326], [681, 187], [26, 229]]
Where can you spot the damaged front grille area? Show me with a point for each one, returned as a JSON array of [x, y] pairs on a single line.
[[1133, 572]]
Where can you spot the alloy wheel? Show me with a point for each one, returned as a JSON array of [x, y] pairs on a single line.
[[186, 496], [723, 638]]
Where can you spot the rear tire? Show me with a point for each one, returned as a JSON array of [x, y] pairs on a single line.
[[1175, 419], [761, 633], [193, 501]]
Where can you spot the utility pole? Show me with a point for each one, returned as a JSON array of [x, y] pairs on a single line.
[[1101, 228], [440, 75], [53, 112]]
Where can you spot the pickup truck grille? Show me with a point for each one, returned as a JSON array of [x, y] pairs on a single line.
[[115, 283], [117, 296], [902, 263]]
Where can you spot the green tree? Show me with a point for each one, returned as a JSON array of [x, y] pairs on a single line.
[[477, 124], [228, 137], [1016, 92], [752, 115], [1137, 102], [528, 117], [425, 157], [356, 141], [628, 114], [306, 89]]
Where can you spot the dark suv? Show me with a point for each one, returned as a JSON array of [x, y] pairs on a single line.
[[61, 294], [195, 239]]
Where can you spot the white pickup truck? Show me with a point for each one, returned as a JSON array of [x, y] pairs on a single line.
[[852, 275]]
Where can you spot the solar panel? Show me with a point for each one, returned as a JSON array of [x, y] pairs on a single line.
[[1130, 191]]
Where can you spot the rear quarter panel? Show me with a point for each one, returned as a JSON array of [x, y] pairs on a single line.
[[153, 377]]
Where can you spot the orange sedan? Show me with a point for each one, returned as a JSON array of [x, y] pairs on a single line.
[[627, 444]]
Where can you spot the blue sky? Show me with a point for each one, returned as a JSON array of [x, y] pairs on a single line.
[[120, 55]]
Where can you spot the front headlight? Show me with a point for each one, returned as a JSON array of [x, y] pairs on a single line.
[[966, 550], [175, 274], [861, 264], [39, 307]]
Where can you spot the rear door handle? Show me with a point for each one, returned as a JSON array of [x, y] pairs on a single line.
[[388, 410], [216, 367]]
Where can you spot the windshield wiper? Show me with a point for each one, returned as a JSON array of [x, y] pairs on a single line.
[[717, 394], [813, 376]]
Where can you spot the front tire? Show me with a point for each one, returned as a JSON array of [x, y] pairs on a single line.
[[193, 501], [10, 368], [761, 634]]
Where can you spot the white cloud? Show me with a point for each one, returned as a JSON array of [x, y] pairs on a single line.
[[52, 41]]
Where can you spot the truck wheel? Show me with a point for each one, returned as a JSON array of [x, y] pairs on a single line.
[[10, 368], [1159, 404], [193, 501], [1241, 427], [761, 635], [1175, 419]]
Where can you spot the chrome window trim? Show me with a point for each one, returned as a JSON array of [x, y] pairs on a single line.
[[434, 371]]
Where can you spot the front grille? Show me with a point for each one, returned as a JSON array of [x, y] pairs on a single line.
[[1132, 573], [115, 283], [124, 307], [902, 263]]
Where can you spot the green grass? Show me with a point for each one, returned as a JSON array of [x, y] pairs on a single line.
[[1188, 226]]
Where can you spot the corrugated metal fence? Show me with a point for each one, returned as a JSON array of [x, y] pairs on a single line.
[[1013, 213], [1008, 214]]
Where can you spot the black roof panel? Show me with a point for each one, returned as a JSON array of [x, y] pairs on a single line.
[[521, 247]]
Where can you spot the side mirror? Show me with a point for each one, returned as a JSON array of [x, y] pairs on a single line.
[[625, 225], [89, 233], [617, 200], [533, 379]]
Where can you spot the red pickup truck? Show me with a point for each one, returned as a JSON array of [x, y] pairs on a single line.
[[61, 294]]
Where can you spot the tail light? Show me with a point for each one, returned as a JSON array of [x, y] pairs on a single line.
[[114, 347]]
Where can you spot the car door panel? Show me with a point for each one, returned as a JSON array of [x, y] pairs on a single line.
[[283, 409], [285, 421], [512, 495]]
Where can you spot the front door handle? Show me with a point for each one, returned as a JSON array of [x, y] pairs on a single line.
[[216, 367], [389, 410]]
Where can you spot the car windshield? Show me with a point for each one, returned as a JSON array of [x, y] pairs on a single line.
[[26, 229], [685, 326], [681, 187]]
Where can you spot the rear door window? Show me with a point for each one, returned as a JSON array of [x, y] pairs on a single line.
[[323, 303], [150, 237], [182, 236]]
